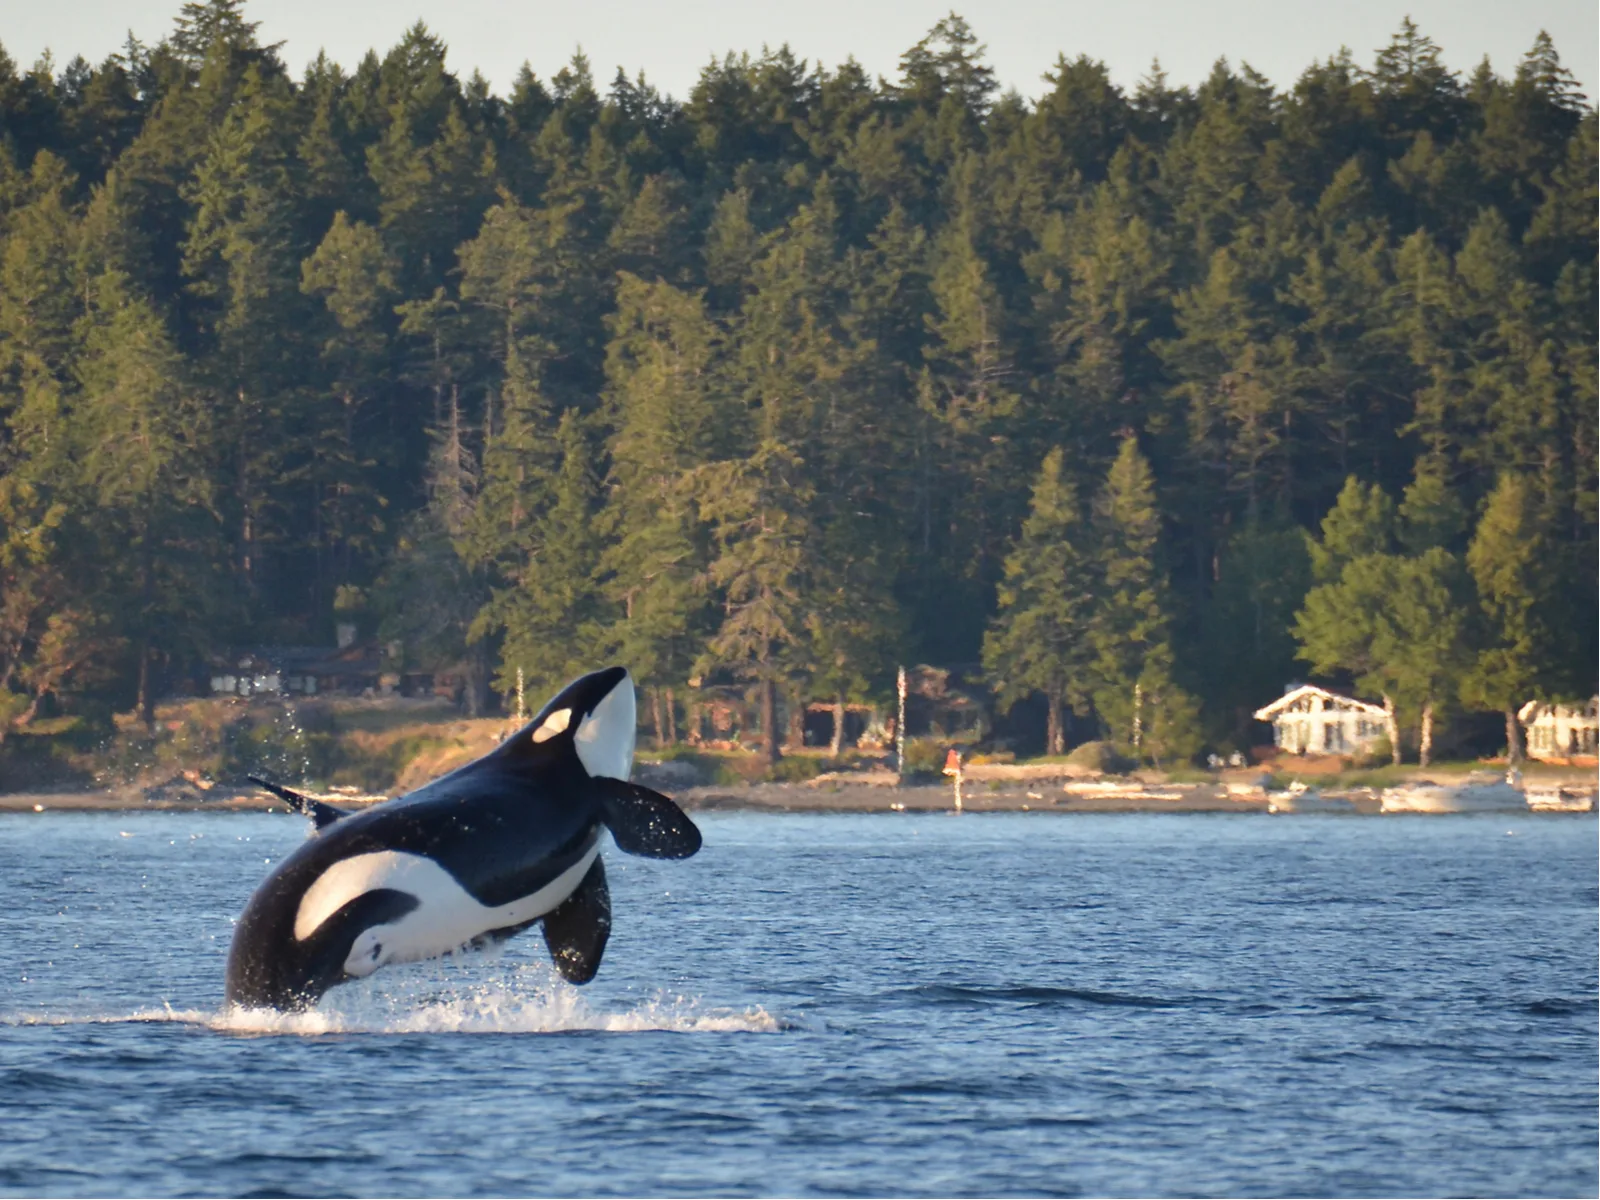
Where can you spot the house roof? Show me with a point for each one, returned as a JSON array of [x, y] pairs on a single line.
[[1344, 703], [1534, 709], [361, 657]]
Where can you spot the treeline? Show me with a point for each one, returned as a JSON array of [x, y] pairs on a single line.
[[801, 377]]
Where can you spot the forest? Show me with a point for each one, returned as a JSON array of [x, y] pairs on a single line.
[[1140, 403]]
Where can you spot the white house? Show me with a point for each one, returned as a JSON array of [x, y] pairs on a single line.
[[1312, 720], [1559, 730]]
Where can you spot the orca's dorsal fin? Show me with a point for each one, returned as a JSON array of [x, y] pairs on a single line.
[[322, 815], [644, 822]]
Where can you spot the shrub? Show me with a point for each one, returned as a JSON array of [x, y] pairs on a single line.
[[1102, 757], [1376, 754], [924, 757], [795, 768]]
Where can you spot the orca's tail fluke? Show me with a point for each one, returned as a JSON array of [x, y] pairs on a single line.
[[644, 822], [322, 815]]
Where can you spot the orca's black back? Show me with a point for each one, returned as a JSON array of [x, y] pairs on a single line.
[[502, 826]]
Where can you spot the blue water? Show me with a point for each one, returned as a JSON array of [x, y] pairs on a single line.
[[839, 1005]]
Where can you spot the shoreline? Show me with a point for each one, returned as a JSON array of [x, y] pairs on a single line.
[[761, 797], [836, 797]]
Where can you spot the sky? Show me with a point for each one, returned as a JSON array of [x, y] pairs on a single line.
[[672, 41]]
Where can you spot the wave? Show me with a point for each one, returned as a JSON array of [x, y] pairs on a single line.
[[491, 1008], [1029, 995]]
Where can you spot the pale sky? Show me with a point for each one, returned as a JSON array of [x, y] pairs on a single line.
[[672, 41]]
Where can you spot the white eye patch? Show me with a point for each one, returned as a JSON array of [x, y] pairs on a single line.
[[604, 740], [555, 723]]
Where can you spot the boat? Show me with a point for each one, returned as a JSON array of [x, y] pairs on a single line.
[[1298, 798], [1473, 795], [1553, 798]]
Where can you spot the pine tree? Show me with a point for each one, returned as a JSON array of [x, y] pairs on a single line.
[[1508, 558], [664, 401], [1396, 621], [1040, 640], [913, 289], [1246, 648], [428, 595], [142, 431], [547, 611], [1338, 630], [1131, 629], [242, 257], [351, 449], [1361, 523], [37, 292], [756, 507]]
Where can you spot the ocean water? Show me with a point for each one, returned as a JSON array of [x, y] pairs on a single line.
[[1012, 1004]]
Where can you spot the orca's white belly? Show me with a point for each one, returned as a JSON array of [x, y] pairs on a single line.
[[446, 918]]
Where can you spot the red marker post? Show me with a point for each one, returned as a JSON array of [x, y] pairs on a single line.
[[952, 768]]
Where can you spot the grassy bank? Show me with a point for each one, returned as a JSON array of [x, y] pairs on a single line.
[[392, 745], [387, 745]]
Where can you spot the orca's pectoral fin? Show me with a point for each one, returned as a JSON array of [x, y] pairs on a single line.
[[322, 815], [576, 929], [645, 823]]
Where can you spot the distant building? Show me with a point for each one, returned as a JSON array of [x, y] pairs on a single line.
[[1311, 720], [1560, 730], [301, 670]]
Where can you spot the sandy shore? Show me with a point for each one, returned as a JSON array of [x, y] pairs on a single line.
[[135, 800], [831, 795], [842, 797], [766, 797]]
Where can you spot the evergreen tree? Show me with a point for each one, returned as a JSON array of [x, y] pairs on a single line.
[[354, 275], [242, 257], [756, 508], [142, 433], [1040, 638], [547, 611], [912, 292], [663, 401], [428, 594], [1395, 621], [1508, 558], [1131, 629], [1246, 648]]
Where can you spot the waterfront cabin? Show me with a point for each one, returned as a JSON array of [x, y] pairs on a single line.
[[301, 671], [1307, 719], [1560, 731]]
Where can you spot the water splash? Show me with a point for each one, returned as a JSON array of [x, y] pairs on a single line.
[[497, 1007]]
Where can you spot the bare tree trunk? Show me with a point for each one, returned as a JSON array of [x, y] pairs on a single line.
[[655, 712], [1513, 738], [477, 690], [1393, 725], [147, 700], [836, 746], [1054, 738], [769, 719], [672, 718], [1425, 738], [796, 737]]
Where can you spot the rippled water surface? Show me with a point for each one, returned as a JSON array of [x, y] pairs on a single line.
[[839, 1004]]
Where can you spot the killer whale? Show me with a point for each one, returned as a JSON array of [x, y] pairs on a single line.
[[509, 840]]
